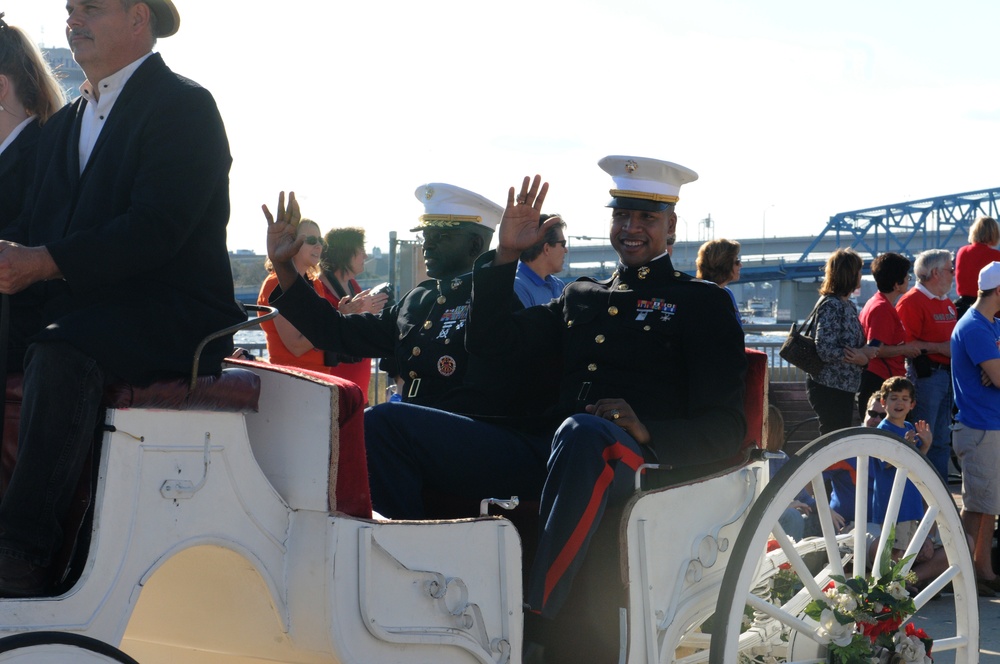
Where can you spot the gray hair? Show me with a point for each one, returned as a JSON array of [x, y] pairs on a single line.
[[928, 261]]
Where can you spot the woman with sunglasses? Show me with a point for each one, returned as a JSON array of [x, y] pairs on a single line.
[[285, 344], [29, 94], [719, 261]]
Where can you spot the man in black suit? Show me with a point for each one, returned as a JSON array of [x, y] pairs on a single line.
[[118, 264]]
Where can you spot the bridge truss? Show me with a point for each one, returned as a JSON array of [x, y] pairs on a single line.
[[909, 228]]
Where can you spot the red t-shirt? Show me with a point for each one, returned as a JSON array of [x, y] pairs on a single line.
[[969, 260], [927, 319], [879, 320]]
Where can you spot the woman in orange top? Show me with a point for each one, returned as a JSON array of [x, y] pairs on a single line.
[[285, 344]]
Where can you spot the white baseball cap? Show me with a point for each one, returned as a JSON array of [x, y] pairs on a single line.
[[989, 276]]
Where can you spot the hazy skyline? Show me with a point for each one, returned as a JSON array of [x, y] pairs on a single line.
[[798, 109]]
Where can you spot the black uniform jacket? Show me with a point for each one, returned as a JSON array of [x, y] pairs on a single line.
[[424, 334], [17, 163], [140, 236], [669, 345]]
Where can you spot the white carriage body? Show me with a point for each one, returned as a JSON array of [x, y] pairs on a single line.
[[214, 543]]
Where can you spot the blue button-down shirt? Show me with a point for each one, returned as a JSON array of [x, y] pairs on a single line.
[[532, 290]]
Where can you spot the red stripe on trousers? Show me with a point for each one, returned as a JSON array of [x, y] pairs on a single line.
[[616, 452]]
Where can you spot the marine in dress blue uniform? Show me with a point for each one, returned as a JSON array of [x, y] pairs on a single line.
[[653, 363], [424, 334]]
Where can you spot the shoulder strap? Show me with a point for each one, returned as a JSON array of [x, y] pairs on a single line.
[[809, 324]]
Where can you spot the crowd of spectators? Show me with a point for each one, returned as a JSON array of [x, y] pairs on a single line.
[[925, 368]]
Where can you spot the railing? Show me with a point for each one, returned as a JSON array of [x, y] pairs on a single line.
[[777, 369]]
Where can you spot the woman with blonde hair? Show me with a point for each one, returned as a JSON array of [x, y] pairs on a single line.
[[984, 235], [840, 343], [29, 95], [285, 344], [719, 261]]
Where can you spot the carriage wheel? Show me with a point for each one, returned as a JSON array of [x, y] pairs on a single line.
[[779, 630], [58, 648]]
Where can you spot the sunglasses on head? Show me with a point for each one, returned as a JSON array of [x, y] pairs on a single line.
[[312, 239], [875, 413]]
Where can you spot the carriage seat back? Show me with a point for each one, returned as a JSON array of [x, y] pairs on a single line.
[[755, 399]]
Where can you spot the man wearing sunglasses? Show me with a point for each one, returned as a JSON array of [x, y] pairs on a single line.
[[535, 281], [929, 317]]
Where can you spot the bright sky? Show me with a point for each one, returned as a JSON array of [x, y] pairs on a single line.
[[790, 109]]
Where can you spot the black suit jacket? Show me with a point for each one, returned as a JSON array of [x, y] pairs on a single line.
[[17, 163], [140, 236]]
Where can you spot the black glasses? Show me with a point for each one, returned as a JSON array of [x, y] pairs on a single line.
[[739, 261], [560, 242], [312, 239], [875, 413]]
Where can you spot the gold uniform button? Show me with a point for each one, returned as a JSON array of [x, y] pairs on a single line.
[[623, 286], [591, 367], [599, 338], [427, 324], [447, 341], [569, 323], [413, 374], [646, 328], [613, 310], [441, 299], [677, 274], [416, 351]]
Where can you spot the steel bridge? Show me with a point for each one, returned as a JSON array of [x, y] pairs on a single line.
[[906, 228]]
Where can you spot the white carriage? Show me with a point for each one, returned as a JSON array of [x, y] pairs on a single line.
[[219, 536]]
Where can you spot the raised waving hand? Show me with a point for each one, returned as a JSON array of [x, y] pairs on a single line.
[[519, 227], [282, 245]]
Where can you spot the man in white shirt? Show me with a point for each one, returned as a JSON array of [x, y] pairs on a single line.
[[117, 266]]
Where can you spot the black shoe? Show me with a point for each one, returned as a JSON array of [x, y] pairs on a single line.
[[984, 590], [993, 584], [19, 578]]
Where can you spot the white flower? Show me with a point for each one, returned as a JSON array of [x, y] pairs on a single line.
[[898, 590], [831, 629], [844, 602], [910, 648]]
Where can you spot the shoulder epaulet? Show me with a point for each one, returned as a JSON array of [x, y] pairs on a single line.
[[696, 280], [603, 282]]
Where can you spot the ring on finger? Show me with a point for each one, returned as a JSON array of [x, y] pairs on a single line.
[[615, 413]]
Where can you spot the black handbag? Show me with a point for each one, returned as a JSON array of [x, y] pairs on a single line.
[[799, 348]]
